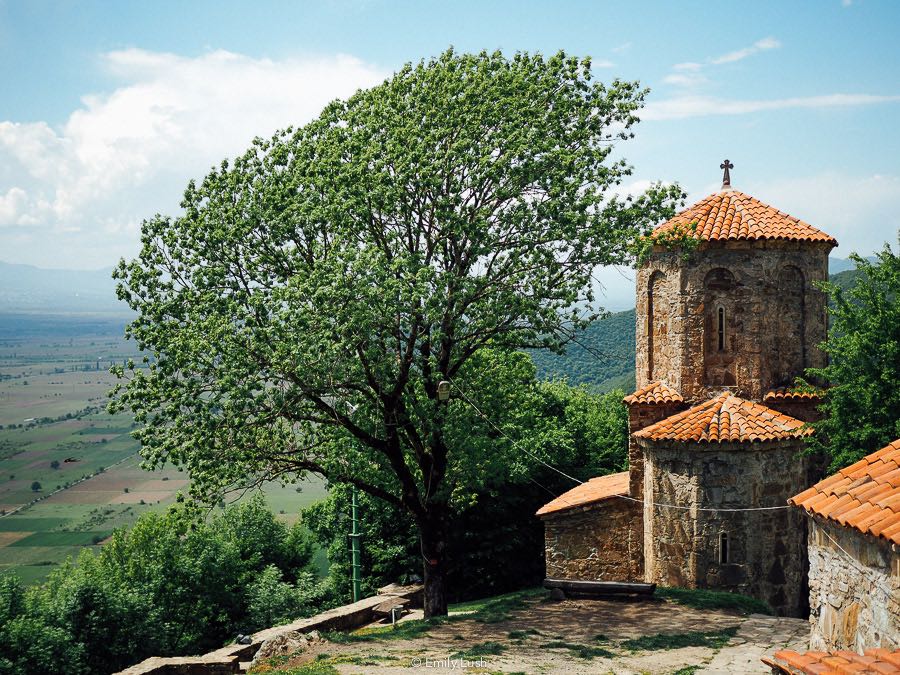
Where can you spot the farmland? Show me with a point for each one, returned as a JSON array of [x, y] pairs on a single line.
[[69, 472]]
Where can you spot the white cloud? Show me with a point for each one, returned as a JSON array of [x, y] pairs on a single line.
[[11, 206], [691, 66], [126, 154], [682, 107], [737, 55], [602, 64], [685, 79], [624, 47]]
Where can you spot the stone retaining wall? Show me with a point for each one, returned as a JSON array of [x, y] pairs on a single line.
[[227, 660]]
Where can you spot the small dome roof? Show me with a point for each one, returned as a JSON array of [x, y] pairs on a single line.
[[731, 214]]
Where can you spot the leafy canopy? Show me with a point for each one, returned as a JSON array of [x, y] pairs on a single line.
[[862, 406], [303, 309]]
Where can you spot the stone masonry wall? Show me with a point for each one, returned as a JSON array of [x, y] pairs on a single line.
[[854, 600], [774, 316], [766, 555], [639, 417], [601, 542]]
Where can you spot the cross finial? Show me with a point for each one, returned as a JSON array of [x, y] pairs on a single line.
[[726, 179]]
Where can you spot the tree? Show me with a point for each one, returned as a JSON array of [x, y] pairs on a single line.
[[862, 404], [494, 547], [304, 310], [35, 486]]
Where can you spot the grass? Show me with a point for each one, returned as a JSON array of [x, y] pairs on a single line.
[[478, 650], [488, 610], [522, 634], [687, 670], [660, 641], [581, 651], [62, 539], [700, 598], [62, 524]]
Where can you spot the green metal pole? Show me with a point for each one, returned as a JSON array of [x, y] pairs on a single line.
[[354, 548]]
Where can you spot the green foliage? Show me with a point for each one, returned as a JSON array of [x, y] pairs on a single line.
[[169, 585], [303, 310], [700, 598], [862, 406]]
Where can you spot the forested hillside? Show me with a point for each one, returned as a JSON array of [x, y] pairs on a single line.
[[602, 357]]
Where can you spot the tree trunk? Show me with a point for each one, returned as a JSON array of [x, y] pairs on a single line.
[[434, 543]]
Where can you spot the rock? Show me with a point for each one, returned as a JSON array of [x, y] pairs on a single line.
[[286, 644], [557, 594]]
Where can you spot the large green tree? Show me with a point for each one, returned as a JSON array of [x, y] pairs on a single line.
[[302, 312], [862, 405]]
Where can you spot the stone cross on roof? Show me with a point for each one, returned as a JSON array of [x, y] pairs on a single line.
[[726, 179]]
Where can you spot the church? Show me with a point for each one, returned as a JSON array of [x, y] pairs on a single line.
[[715, 428]]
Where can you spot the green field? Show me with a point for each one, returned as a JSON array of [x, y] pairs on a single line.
[[54, 431]]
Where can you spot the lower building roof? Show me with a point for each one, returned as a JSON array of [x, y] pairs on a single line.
[[874, 661], [592, 491], [864, 495]]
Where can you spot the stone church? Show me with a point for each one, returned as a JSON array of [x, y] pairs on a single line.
[[715, 428]]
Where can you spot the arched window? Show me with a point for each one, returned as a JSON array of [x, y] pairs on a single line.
[[720, 328], [723, 548]]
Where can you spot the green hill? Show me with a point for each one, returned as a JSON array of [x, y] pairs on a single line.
[[603, 357]]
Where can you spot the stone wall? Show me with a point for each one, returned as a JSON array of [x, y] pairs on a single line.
[[765, 555], [854, 599], [774, 317], [599, 542], [639, 417], [229, 659]]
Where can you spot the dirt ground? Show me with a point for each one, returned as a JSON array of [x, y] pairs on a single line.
[[572, 636]]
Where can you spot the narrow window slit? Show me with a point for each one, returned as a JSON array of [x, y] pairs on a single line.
[[721, 331], [723, 548]]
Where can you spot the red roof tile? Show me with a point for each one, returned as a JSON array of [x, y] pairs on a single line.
[[791, 394], [873, 662], [864, 495], [654, 393], [731, 214], [726, 418], [594, 490]]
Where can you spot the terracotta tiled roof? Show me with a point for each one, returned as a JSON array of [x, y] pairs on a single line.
[[725, 418], [594, 490], [790, 394], [874, 662], [731, 214], [653, 393], [864, 496]]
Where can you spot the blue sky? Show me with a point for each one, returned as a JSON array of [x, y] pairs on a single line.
[[107, 109]]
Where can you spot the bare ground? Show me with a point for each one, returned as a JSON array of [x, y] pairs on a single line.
[[572, 636]]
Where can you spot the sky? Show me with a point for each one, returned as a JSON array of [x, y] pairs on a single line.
[[107, 109]]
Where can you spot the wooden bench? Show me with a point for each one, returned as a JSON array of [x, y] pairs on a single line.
[[570, 588]]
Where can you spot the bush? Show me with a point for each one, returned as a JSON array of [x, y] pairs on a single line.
[[167, 586]]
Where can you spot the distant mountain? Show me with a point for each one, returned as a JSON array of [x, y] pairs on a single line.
[[604, 359], [28, 289], [837, 265]]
